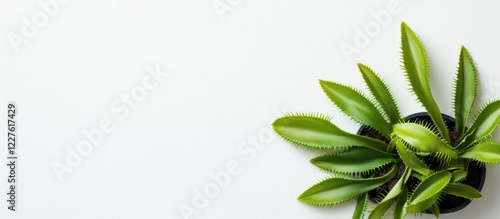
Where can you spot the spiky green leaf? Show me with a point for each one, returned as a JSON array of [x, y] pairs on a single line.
[[463, 191], [454, 165], [417, 72], [484, 124], [383, 206], [318, 132], [417, 175], [421, 206], [465, 89], [485, 152], [337, 190], [400, 210], [381, 209], [381, 93], [356, 105], [430, 187], [356, 160], [362, 203], [458, 175], [423, 139], [435, 210], [412, 161]]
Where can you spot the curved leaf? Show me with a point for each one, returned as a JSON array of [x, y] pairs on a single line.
[[418, 176], [357, 106], [485, 152], [383, 206], [400, 210], [423, 139], [359, 211], [463, 191], [435, 210], [421, 206], [454, 165], [411, 160], [381, 93], [458, 175], [430, 187], [381, 209], [417, 72], [318, 132], [357, 160], [465, 89], [337, 190], [484, 124]]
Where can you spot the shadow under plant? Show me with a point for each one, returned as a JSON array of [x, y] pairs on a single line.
[[417, 163]]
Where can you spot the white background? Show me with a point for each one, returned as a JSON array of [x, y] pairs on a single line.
[[230, 73]]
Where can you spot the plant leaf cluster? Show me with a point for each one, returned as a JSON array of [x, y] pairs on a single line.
[[404, 149]]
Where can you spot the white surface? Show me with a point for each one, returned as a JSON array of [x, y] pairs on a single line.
[[227, 79]]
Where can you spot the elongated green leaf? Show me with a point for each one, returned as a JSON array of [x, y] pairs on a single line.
[[356, 160], [318, 132], [421, 206], [412, 161], [381, 93], [484, 124], [381, 209], [423, 139], [485, 152], [435, 210], [356, 105], [337, 190], [383, 206], [455, 165], [359, 211], [458, 175], [419, 176], [465, 89], [417, 72], [430, 187], [400, 210], [463, 191]]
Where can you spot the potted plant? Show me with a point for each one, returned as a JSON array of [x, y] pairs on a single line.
[[423, 163]]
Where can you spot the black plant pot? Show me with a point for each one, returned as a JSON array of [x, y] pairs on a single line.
[[476, 173]]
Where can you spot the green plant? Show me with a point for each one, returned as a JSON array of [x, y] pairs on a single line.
[[397, 150]]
